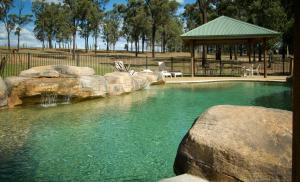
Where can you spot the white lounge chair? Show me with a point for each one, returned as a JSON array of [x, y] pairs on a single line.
[[162, 69], [119, 66], [177, 73], [253, 70]]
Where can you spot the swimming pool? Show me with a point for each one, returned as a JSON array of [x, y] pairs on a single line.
[[129, 137]]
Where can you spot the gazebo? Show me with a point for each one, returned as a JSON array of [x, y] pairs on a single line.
[[226, 30]]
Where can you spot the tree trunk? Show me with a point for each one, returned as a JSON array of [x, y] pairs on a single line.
[[203, 55], [143, 43], [43, 42], [235, 52], [161, 44], [230, 50], [254, 53], [96, 37], [164, 41], [107, 46], [86, 44], [8, 40], [138, 45], [153, 40], [259, 53], [19, 41], [50, 42], [249, 52], [136, 48], [218, 52], [74, 43], [127, 47], [241, 50], [204, 15]]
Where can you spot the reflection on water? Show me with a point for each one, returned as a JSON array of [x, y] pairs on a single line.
[[279, 100], [128, 137]]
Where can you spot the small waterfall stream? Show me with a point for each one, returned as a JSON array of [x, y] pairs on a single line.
[[67, 99], [48, 99]]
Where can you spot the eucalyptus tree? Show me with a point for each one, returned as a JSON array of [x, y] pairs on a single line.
[[160, 11], [111, 27], [9, 20], [78, 10], [204, 6], [84, 25], [9, 23], [52, 21], [135, 20], [126, 28], [191, 16], [39, 28], [63, 30], [173, 30], [4, 7], [21, 21], [96, 19]]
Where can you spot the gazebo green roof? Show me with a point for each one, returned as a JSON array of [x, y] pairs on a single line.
[[225, 27]]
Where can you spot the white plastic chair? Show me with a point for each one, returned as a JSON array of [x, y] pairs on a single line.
[[253, 70], [119, 66], [162, 69]]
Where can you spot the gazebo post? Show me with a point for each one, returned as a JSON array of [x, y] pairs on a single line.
[[235, 52], [249, 50], [254, 48], [192, 47], [264, 51]]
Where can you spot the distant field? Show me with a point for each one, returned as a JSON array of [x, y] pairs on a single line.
[[100, 52]]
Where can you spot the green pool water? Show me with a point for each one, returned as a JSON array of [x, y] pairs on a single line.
[[131, 137]]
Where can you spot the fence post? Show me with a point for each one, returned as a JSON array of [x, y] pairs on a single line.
[[28, 61], [221, 67], [283, 60], [77, 60], [146, 62], [171, 63], [291, 66]]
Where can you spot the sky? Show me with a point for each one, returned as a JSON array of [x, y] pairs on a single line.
[[27, 38]]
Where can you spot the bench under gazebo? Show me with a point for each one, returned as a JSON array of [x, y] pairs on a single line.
[[228, 31]]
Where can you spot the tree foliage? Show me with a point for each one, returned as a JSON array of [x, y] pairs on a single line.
[[21, 21], [160, 12], [272, 14], [51, 22], [111, 27]]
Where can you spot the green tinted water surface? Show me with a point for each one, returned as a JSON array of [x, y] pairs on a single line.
[[128, 137]]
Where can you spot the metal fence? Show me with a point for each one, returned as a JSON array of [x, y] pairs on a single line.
[[102, 64]]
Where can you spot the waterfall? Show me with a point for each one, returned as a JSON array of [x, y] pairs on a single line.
[[48, 99], [67, 99], [147, 85]]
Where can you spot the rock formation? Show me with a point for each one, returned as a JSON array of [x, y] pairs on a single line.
[[76, 82], [3, 93], [236, 143]]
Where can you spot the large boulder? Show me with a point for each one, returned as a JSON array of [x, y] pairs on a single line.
[[93, 86], [55, 71], [236, 143], [3, 93], [119, 83], [152, 77]]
